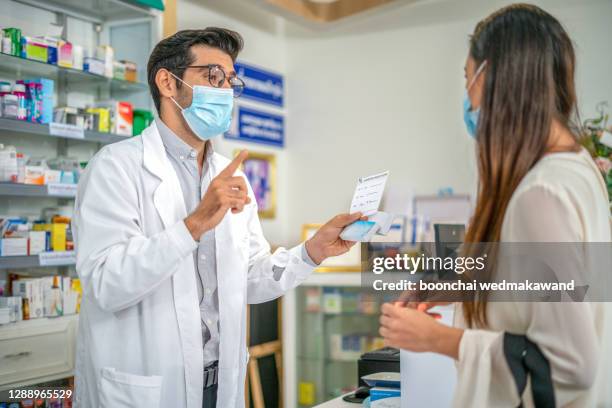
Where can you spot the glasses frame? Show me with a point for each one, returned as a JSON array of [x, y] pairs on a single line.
[[225, 77]]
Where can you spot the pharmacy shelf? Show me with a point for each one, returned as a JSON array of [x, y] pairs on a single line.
[[32, 190], [12, 126], [47, 259], [350, 279], [96, 10], [75, 78]]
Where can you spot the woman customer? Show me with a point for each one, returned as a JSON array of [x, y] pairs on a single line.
[[536, 184]]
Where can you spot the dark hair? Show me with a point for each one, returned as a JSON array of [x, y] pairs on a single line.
[[173, 53], [529, 82]]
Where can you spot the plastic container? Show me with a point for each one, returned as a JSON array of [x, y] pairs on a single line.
[[10, 106], [8, 163], [5, 88], [142, 119], [19, 90], [21, 163]]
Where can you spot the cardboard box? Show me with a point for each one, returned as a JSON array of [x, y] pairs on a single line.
[[13, 303], [64, 54], [38, 242], [58, 237], [13, 246], [30, 289], [124, 119]]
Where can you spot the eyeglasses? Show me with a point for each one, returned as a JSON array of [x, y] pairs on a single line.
[[217, 77]]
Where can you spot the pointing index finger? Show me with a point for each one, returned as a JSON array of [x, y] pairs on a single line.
[[235, 164]]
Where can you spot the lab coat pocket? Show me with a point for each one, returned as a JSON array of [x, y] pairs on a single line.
[[119, 390]]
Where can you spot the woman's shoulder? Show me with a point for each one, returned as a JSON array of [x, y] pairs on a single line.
[[568, 173], [564, 190]]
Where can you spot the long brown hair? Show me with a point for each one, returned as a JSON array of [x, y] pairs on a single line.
[[529, 81]]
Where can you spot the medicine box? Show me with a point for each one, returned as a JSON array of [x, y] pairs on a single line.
[[13, 247], [124, 119], [34, 49], [48, 87], [13, 303], [30, 289], [64, 54], [38, 242], [58, 236]]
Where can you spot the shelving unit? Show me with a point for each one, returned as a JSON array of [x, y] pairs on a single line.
[[96, 10], [37, 261], [71, 77], [31, 190], [43, 349], [310, 341], [13, 126]]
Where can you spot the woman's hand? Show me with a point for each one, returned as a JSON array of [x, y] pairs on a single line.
[[410, 329]]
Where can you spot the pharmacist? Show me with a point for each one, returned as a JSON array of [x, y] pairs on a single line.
[[169, 246]]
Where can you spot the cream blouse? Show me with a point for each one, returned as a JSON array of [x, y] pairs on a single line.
[[562, 199]]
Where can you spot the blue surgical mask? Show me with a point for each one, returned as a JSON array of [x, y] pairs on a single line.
[[210, 112], [470, 115]]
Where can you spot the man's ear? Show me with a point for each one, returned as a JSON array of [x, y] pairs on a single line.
[[165, 83]]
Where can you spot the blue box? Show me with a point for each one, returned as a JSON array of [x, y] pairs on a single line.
[[385, 397], [48, 88]]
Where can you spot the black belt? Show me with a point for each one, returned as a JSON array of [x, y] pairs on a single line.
[[211, 374]]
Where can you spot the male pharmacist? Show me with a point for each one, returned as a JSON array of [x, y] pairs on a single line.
[[169, 246]]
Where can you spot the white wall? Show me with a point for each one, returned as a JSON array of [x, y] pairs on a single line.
[[386, 93]]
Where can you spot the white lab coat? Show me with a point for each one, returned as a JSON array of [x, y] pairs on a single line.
[[140, 337]]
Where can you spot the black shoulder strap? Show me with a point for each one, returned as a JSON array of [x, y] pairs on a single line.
[[525, 359]]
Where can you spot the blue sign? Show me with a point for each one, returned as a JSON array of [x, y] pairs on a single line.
[[261, 85], [258, 127]]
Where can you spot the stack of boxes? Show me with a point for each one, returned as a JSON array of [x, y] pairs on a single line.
[[21, 238], [34, 298]]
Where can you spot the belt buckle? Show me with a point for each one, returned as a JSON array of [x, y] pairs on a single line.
[[210, 377]]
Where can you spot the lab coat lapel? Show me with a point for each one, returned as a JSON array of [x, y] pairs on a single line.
[[168, 200]]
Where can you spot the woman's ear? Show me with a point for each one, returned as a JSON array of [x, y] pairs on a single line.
[[165, 83]]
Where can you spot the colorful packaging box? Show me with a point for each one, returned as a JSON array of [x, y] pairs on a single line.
[[102, 121], [15, 36], [124, 119], [38, 242], [119, 70], [30, 289], [34, 49], [58, 237], [131, 71], [93, 65], [106, 54], [64, 54], [47, 90], [52, 45]]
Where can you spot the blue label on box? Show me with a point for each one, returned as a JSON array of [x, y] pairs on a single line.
[[258, 127], [261, 85]]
